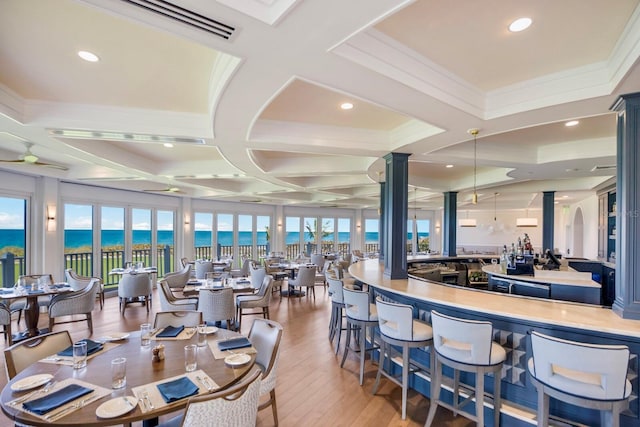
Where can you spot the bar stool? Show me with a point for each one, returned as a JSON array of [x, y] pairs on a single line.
[[399, 328], [361, 314], [337, 309], [465, 345], [587, 375]]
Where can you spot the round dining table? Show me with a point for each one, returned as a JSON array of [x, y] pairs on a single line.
[[140, 371]]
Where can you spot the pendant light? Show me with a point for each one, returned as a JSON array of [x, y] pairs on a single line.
[[474, 132], [526, 221], [467, 222]]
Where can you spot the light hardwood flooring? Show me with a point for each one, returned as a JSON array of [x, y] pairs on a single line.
[[312, 389]]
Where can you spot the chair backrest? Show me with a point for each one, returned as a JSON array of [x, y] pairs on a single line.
[[265, 287], [5, 315], [184, 261], [178, 279], [462, 340], [257, 276], [217, 305], [76, 281], [318, 260], [335, 289], [306, 276], [29, 351], [134, 285], [395, 320], [168, 300], [202, 267], [356, 304], [236, 406], [186, 318], [246, 267], [265, 336], [595, 371]]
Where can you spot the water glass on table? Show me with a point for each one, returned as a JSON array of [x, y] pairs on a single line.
[[145, 332], [79, 355], [202, 335], [190, 357], [118, 372]]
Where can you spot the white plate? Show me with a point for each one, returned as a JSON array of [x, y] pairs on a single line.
[[237, 359], [31, 382], [116, 407], [117, 336], [210, 330]]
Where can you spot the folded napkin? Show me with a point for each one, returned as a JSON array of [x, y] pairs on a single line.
[[234, 343], [243, 281], [92, 347], [56, 399], [170, 332], [37, 291], [177, 389], [59, 286], [193, 282], [6, 291]]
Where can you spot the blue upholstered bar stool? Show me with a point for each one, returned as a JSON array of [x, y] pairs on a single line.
[[465, 345], [361, 314], [587, 375], [399, 328]]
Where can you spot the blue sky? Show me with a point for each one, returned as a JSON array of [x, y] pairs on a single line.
[[11, 213]]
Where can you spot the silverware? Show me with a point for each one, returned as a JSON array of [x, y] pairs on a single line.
[[47, 387], [204, 382], [145, 395], [61, 412]]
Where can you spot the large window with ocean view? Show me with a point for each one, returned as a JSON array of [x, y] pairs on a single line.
[[111, 242], [13, 237], [224, 235], [344, 235], [203, 234], [371, 229], [292, 236], [310, 239], [245, 236], [263, 235], [423, 226], [327, 234], [141, 236], [78, 238], [165, 238]]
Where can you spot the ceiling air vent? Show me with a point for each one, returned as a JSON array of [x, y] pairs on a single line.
[[185, 16], [602, 168]]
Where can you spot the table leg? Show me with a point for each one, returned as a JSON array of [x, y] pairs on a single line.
[[31, 316]]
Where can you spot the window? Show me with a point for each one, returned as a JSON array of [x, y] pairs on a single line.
[[371, 240], [13, 237], [344, 235], [78, 238], [245, 236], [292, 236], [423, 234], [203, 235], [224, 235], [263, 235], [141, 236], [327, 234], [111, 242], [165, 238]]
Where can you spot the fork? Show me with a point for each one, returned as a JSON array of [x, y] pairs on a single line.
[[48, 386], [145, 396], [55, 415]]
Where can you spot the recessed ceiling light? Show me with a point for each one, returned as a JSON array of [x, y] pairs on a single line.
[[168, 145], [346, 106], [572, 123], [88, 56], [449, 166], [520, 24]]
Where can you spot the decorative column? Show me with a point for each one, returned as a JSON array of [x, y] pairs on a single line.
[[381, 224], [627, 302], [547, 220], [395, 215], [449, 223]]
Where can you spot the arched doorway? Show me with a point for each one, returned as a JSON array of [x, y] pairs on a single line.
[[578, 233]]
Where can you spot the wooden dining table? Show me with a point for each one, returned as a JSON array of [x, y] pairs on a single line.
[[140, 371]]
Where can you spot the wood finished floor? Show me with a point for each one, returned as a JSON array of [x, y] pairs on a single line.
[[312, 389]]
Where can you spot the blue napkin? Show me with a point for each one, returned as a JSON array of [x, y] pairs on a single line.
[[59, 286], [177, 389], [37, 291], [92, 347], [56, 399], [243, 281], [234, 343], [6, 291], [170, 332]]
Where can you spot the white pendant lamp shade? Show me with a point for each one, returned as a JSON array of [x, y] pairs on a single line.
[[526, 222], [467, 222]]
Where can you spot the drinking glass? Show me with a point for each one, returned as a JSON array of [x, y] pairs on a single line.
[[145, 330], [202, 335], [118, 372], [79, 355], [190, 357], [494, 261]]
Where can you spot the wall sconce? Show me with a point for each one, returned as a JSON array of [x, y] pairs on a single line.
[[279, 225], [357, 225], [187, 220], [51, 218]]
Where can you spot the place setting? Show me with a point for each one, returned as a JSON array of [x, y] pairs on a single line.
[[172, 333], [236, 352], [82, 350]]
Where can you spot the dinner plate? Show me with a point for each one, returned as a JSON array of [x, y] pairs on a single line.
[[116, 336], [237, 359], [210, 330], [116, 407], [31, 382]]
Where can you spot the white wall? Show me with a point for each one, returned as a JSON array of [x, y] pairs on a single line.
[[589, 208]]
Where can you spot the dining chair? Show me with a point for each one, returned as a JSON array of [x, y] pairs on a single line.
[[27, 352], [178, 279], [260, 299], [586, 375], [306, 278], [203, 267], [257, 276], [218, 305], [465, 345], [245, 271], [265, 336], [337, 310], [236, 406], [170, 302], [72, 303], [5, 321], [318, 260], [134, 287], [78, 282], [278, 275], [177, 318]]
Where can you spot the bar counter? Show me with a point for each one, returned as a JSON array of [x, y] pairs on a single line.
[[513, 317]]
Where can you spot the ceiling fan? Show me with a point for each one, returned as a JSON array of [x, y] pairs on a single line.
[[169, 189], [28, 158]]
